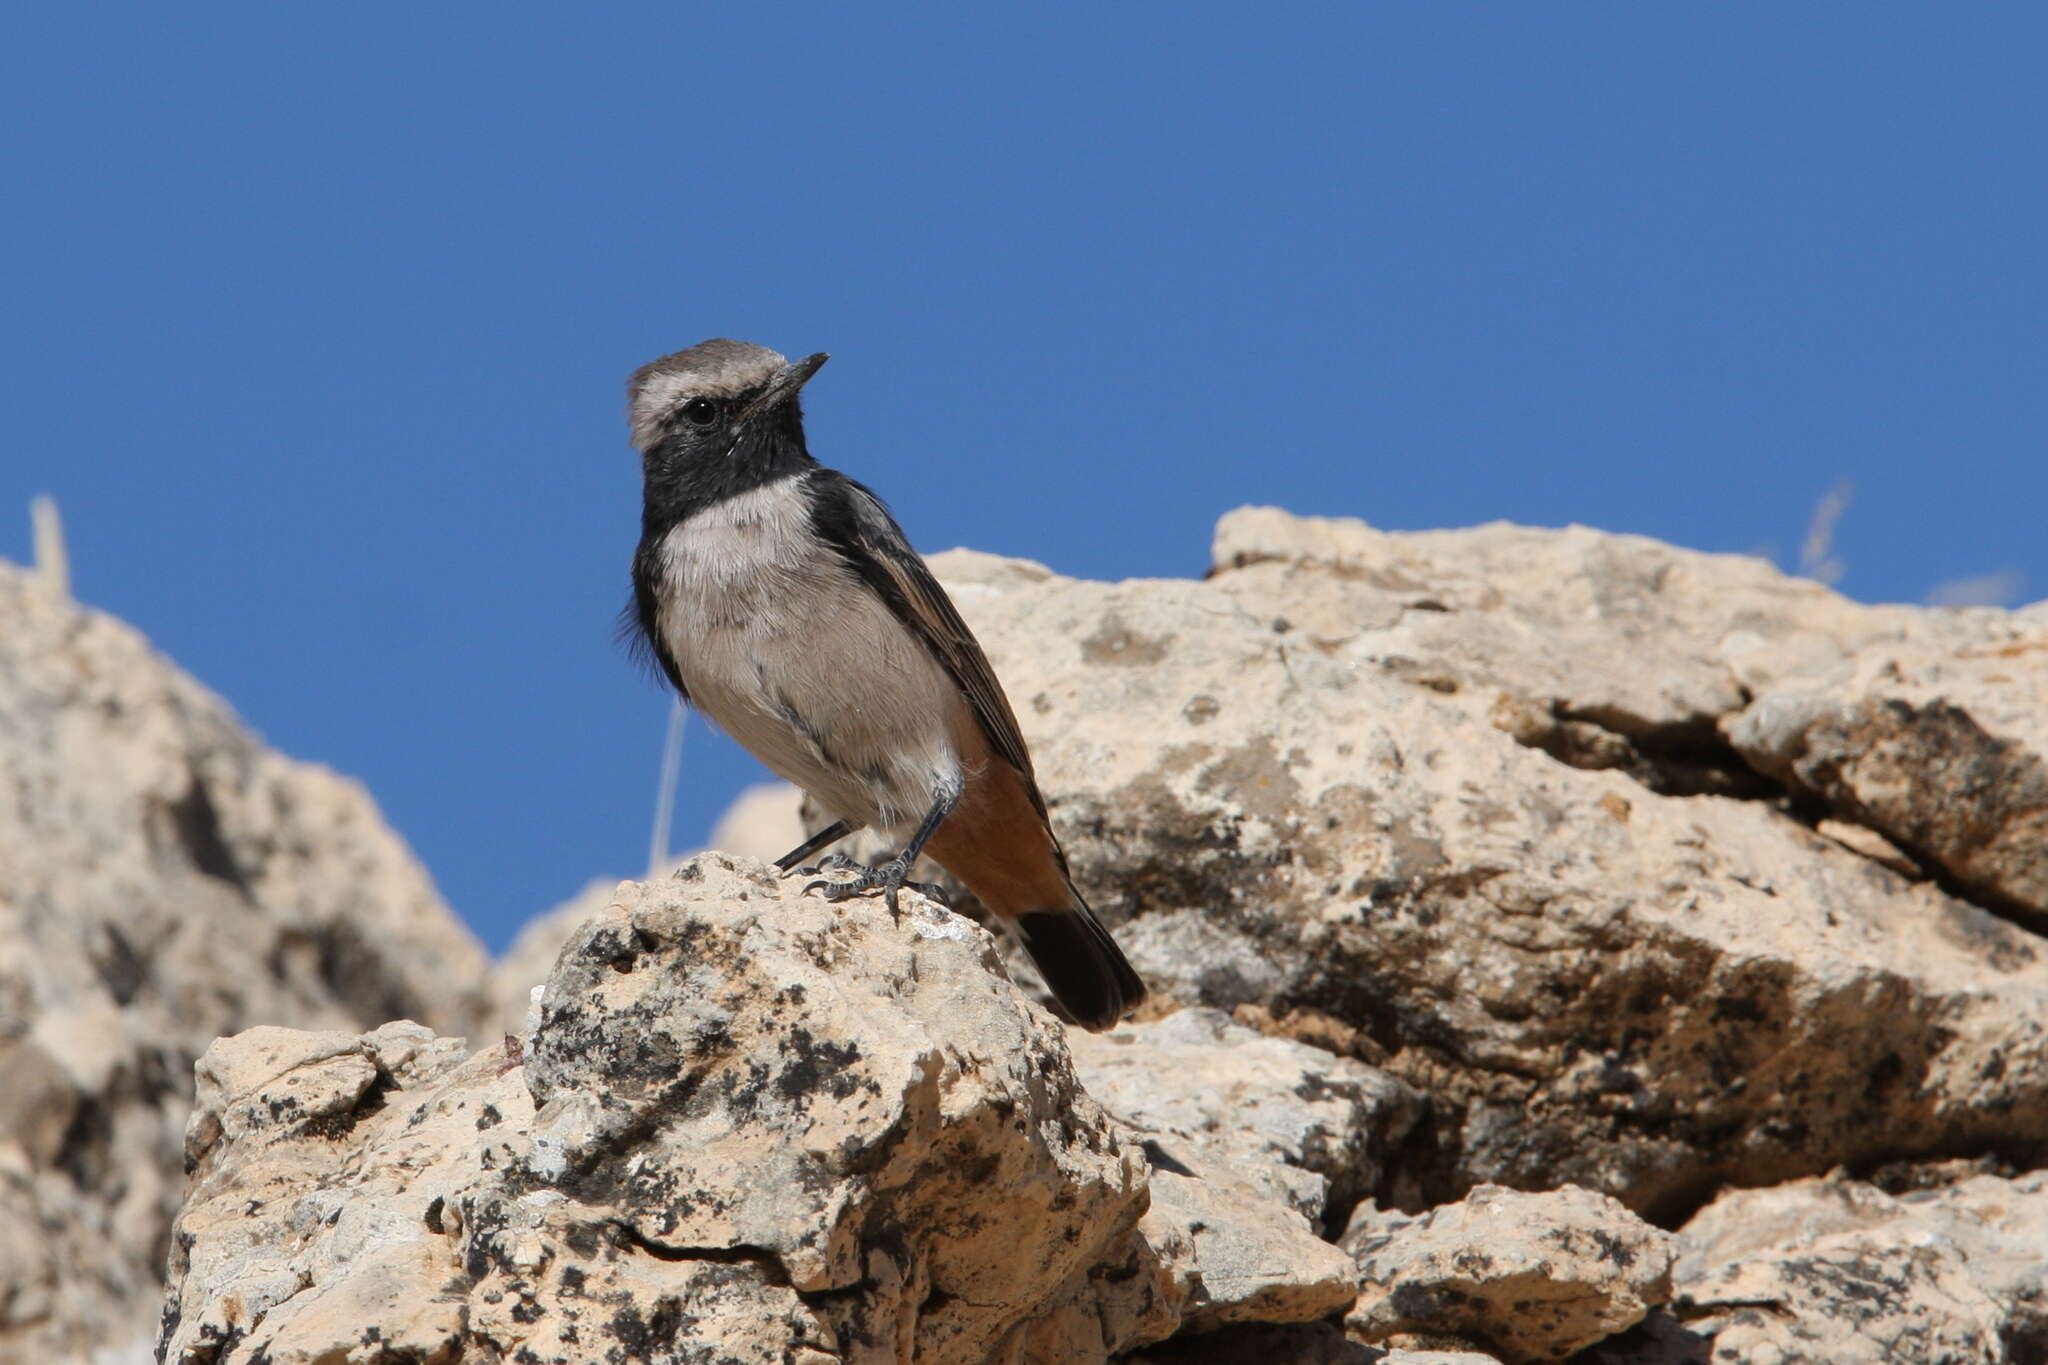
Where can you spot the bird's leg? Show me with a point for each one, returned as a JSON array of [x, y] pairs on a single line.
[[891, 877], [824, 838], [894, 874]]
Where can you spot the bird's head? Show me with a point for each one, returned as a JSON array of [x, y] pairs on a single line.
[[717, 401]]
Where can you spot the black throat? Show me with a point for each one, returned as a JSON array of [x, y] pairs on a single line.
[[686, 471]]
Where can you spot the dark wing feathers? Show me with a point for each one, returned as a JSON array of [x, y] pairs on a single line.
[[637, 629], [860, 528]]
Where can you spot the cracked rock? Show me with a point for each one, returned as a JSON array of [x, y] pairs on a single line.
[[1835, 1271], [1938, 741], [748, 1125], [1307, 1129], [1465, 798], [1238, 1254], [1526, 1277]]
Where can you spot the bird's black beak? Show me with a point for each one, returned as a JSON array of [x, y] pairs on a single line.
[[783, 388]]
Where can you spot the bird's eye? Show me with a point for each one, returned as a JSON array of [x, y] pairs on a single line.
[[701, 411]]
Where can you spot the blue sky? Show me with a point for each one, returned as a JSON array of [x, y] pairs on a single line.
[[317, 319]]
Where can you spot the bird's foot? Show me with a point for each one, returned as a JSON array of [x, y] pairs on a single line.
[[889, 878], [836, 888]]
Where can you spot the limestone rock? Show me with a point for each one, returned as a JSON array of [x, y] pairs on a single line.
[[722, 1035], [525, 964], [763, 822], [1526, 1276], [1467, 797], [164, 878], [1836, 1271], [1307, 1130], [1249, 1139], [1239, 1255], [749, 1124], [1938, 741]]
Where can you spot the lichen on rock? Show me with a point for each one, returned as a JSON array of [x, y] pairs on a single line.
[[749, 1122], [1563, 945]]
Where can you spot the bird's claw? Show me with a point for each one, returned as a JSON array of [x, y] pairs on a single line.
[[831, 862], [889, 878], [863, 880]]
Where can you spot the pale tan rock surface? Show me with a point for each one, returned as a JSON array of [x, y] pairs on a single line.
[[763, 822], [1249, 1139], [164, 878], [1525, 1276], [1467, 795], [1837, 1271], [1307, 1130], [1938, 741], [1236, 1254], [749, 1125], [729, 1062], [1576, 857]]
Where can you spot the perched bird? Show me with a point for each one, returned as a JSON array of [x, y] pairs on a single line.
[[782, 600]]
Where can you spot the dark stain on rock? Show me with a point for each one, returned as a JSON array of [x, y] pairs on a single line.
[[340, 1125], [814, 1065], [2002, 947], [1612, 1249], [1159, 1159], [1971, 804], [192, 824], [1116, 643], [119, 966], [482, 1226], [616, 946], [1257, 780], [643, 1337]]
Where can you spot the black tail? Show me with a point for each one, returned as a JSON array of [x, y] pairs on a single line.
[[1082, 966]]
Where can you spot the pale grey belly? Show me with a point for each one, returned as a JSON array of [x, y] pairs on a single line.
[[814, 677]]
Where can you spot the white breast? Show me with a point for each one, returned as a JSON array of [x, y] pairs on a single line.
[[731, 557], [788, 652]]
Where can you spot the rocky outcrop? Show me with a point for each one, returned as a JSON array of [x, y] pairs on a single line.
[[164, 879], [1527, 1277], [1519, 815], [748, 1125], [1508, 895], [1838, 1271], [1936, 739], [1313, 1132], [1255, 1144]]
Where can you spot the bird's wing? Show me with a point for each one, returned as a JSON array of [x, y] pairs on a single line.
[[638, 629], [857, 525]]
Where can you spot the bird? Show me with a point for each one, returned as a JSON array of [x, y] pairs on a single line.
[[783, 602]]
